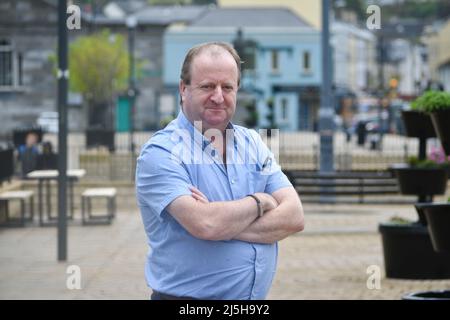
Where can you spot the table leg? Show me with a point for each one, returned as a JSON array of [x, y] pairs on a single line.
[[40, 200], [71, 199], [49, 200]]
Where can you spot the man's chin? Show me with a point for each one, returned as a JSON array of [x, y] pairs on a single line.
[[217, 121]]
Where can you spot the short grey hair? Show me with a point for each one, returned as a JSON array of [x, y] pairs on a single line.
[[195, 51]]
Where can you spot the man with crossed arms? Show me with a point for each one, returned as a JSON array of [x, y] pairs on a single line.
[[212, 225]]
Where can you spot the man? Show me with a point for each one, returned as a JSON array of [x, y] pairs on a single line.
[[213, 201], [29, 153]]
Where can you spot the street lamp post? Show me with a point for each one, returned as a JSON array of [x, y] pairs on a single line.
[[326, 111], [63, 75], [131, 25]]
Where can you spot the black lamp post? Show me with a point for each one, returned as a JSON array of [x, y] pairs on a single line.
[[63, 78], [131, 25], [326, 111]]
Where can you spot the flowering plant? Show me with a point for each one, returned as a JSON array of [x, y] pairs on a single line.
[[436, 158]]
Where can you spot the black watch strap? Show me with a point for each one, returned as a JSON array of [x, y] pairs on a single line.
[[258, 203]]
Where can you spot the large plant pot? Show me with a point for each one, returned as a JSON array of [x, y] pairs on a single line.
[[420, 181], [441, 121], [438, 219], [418, 124], [428, 295], [408, 253], [100, 137]]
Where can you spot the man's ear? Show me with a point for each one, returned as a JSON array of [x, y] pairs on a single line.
[[182, 88]]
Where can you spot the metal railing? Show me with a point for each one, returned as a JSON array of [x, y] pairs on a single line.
[[297, 151]]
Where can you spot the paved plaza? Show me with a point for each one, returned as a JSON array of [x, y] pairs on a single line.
[[329, 260]]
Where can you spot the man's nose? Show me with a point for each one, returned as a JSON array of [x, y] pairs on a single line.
[[217, 96]]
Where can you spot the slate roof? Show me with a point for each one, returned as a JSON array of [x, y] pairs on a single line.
[[250, 17]]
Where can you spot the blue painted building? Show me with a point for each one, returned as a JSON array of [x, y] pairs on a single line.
[[283, 65]]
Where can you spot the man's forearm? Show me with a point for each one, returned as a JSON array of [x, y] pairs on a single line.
[[229, 218]]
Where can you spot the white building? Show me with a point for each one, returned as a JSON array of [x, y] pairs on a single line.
[[354, 57], [407, 63]]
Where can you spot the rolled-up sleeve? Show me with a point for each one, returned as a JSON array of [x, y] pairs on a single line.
[[159, 179]]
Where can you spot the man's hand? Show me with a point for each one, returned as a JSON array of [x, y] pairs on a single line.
[[198, 195], [277, 224], [267, 201]]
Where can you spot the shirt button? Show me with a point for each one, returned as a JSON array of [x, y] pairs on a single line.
[[232, 181]]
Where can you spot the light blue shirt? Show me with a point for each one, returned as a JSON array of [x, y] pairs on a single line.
[[178, 263]]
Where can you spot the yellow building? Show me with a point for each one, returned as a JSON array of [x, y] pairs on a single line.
[[438, 44], [309, 10]]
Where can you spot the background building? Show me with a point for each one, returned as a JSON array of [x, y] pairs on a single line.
[[281, 69]]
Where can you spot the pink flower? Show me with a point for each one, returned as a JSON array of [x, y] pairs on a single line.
[[438, 155]]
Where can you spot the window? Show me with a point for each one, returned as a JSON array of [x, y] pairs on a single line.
[[10, 65], [306, 62], [274, 61], [284, 109]]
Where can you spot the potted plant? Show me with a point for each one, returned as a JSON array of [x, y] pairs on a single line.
[[407, 247], [424, 178], [417, 122], [437, 103], [408, 252], [437, 216]]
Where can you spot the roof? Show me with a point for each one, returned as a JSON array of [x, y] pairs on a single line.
[[154, 15], [404, 28], [250, 17], [170, 14]]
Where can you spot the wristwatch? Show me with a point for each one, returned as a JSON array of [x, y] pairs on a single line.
[[258, 203]]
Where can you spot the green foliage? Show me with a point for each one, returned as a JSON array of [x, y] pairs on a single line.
[[432, 101], [426, 163], [399, 220], [98, 65]]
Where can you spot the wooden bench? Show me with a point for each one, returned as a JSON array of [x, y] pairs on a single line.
[[86, 205], [22, 196], [330, 184]]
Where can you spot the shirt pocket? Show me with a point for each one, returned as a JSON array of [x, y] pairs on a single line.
[[256, 179]]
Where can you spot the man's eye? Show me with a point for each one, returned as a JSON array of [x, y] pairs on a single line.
[[207, 87], [228, 88]]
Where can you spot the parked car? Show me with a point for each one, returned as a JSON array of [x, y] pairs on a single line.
[[48, 121]]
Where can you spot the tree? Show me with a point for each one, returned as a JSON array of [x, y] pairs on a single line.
[[98, 66]]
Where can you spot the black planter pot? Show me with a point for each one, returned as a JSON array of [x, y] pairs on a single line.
[[428, 295], [420, 181], [438, 219], [96, 137], [418, 124], [408, 253], [441, 120]]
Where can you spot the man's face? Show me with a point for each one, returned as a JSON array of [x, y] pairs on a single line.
[[211, 95], [31, 139]]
